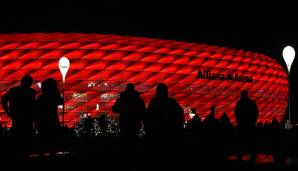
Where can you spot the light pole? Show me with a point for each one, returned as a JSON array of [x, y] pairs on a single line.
[[64, 65], [289, 54]]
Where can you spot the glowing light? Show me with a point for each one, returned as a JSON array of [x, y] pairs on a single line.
[[288, 54], [38, 85], [74, 95], [192, 115], [64, 65], [91, 84], [105, 96]]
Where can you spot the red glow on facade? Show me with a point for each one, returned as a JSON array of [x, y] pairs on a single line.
[[101, 66]]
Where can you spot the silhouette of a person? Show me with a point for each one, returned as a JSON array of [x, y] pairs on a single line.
[[275, 132], [194, 124], [246, 113], [47, 120], [210, 135], [210, 122], [165, 116], [164, 126], [19, 104], [88, 125], [225, 121], [131, 108], [103, 124], [226, 133]]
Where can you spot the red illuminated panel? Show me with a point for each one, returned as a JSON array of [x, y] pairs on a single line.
[[101, 66]]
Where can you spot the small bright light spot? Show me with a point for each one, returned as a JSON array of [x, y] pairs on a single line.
[[60, 107], [288, 54], [104, 96], [74, 95], [97, 107], [64, 65], [62, 152], [33, 155], [106, 84], [46, 154], [38, 85], [91, 84]]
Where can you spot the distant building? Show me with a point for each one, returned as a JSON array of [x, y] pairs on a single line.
[[198, 75]]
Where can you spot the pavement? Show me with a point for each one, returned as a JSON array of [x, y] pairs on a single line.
[[113, 154]]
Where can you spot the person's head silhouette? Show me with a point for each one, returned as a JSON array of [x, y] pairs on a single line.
[[26, 81], [162, 90], [244, 94], [224, 117], [130, 87], [49, 85]]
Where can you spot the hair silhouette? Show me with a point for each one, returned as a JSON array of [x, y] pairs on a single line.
[[47, 120], [26, 81]]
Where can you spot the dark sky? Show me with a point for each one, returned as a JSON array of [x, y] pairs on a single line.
[[263, 27], [248, 25]]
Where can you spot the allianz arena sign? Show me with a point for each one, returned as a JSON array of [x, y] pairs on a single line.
[[207, 74], [198, 75]]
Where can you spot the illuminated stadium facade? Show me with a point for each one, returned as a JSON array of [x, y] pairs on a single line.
[[198, 75]]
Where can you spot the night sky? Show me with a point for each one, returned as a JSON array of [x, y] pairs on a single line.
[[261, 27]]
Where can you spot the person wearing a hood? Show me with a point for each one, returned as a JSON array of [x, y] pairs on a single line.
[[131, 108], [165, 117]]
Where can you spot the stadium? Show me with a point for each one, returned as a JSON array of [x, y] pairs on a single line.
[[198, 75]]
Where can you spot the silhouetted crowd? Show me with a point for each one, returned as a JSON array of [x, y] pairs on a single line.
[[30, 113], [166, 131]]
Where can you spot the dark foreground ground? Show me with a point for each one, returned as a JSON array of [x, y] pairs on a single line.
[[111, 153]]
